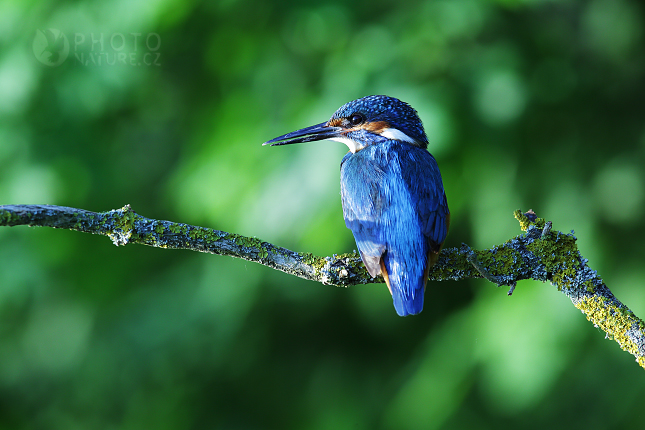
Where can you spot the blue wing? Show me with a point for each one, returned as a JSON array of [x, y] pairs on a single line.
[[395, 205]]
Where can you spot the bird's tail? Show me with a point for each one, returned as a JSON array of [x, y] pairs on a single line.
[[407, 293]]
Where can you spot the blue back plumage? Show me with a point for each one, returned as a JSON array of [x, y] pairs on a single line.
[[394, 204]]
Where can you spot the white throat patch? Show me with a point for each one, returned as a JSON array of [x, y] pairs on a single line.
[[388, 133], [351, 144]]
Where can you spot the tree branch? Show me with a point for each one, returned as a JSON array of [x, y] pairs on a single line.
[[539, 253]]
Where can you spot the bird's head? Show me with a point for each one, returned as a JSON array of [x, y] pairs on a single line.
[[362, 122]]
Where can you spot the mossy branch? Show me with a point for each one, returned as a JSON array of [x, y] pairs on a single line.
[[539, 253]]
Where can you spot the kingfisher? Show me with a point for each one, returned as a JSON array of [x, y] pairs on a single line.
[[391, 191]]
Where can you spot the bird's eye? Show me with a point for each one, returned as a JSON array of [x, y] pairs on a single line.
[[356, 119]]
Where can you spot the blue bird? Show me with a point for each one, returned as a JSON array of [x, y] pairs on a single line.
[[391, 190]]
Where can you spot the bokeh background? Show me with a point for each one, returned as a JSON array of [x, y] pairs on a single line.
[[164, 104]]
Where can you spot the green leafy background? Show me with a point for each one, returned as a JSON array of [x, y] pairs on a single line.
[[527, 104]]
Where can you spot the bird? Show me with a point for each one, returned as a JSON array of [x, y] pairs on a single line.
[[391, 190]]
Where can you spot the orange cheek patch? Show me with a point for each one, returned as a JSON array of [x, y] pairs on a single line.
[[375, 127]]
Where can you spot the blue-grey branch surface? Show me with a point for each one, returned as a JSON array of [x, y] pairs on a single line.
[[540, 253]]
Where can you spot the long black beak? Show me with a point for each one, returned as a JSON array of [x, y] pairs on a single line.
[[308, 134]]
